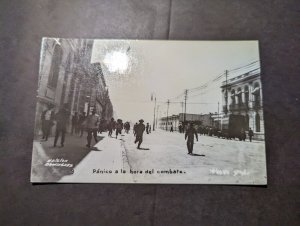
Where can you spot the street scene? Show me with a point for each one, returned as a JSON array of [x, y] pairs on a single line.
[[122, 111]]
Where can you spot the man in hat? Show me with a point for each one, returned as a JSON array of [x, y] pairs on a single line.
[[111, 126], [119, 127], [140, 128], [61, 119], [92, 127], [189, 134], [250, 134]]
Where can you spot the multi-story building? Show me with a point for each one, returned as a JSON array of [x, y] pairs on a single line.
[[67, 77], [242, 95]]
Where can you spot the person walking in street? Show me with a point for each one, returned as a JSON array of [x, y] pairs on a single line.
[[171, 130], [140, 128], [180, 128], [61, 119], [111, 126], [74, 121], [134, 128], [147, 128], [92, 127], [127, 127], [47, 121], [251, 134], [243, 135], [102, 125], [119, 127], [189, 135]]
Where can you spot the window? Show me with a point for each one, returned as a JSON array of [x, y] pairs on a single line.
[[246, 92], [257, 122], [256, 94], [233, 97], [239, 95], [54, 70]]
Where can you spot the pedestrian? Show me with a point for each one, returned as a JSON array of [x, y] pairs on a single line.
[[243, 135], [102, 125], [171, 130], [147, 128], [61, 119], [47, 121], [92, 127], [134, 128], [189, 135], [180, 128], [80, 123], [111, 126], [140, 128], [251, 134], [74, 121], [127, 127], [119, 127]]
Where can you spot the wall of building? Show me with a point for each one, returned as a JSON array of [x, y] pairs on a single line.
[[245, 98]]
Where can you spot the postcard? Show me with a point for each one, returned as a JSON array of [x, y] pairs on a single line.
[[149, 111]]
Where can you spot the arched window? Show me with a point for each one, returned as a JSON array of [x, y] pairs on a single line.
[[246, 93], [54, 70], [233, 97], [257, 122], [239, 95], [247, 122], [256, 94]]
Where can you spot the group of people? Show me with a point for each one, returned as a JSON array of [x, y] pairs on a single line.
[[92, 124], [79, 123]]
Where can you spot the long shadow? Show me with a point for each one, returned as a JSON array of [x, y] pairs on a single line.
[[196, 155], [73, 152], [144, 148]]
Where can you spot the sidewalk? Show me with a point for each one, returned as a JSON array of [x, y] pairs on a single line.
[[104, 163], [73, 152]]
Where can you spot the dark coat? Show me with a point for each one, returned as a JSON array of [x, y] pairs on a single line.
[[190, 132], [140, 128], [61, 118]]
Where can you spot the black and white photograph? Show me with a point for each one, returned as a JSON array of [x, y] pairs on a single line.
[[149, 111]]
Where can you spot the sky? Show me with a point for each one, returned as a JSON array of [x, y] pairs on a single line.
[[135, 70]]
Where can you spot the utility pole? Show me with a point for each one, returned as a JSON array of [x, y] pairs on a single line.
[[218, 117], [226, 93], [154, 114], [185, 99], [168, 102]]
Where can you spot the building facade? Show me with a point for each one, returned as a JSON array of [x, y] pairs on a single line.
[[242, 95], [66, 77], [204, 120]]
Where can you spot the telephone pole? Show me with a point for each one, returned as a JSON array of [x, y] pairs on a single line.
[[218, 117], [185, 99], [154, 114], [168, 102], [226, 93]]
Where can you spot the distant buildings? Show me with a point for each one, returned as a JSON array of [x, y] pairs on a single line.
[[204, 120], [242, 95], [66, 76]]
